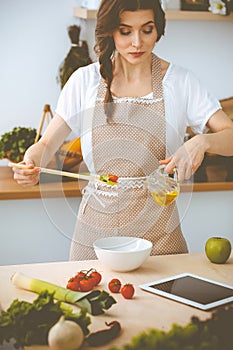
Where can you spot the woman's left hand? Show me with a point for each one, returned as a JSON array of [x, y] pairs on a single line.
[[187, 158]]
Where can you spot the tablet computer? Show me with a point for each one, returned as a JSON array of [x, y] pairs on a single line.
[[193, 290]]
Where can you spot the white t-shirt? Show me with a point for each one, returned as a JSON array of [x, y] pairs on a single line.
[[187, 103]]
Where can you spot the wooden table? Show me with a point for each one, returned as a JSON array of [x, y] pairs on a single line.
[[142, 312]]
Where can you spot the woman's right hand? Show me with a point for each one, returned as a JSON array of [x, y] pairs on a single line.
[[27, 177]]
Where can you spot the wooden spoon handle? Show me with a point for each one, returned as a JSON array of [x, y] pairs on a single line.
[[55, 172]]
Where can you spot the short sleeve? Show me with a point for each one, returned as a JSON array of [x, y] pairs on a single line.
[[69, 102], [201, 105]]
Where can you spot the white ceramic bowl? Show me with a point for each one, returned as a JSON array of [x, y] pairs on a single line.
[[122, 253]]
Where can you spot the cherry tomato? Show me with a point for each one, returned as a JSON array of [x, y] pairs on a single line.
[[84, 280], [80, 274], [112, 177], [96, 276], [86, 284], [73, 284], [127, 291], [114, 285]]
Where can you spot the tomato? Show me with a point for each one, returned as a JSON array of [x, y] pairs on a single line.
[[73, 284], [86, 284], [84, 280], [127, 291], [112, 178], [114, 285], [96, 276], [80, 274]]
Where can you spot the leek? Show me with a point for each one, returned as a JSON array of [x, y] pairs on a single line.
[[95, 301]]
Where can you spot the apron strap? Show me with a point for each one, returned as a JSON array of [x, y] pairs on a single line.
[[157, 79]]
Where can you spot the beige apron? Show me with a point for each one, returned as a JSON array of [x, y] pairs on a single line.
[[131, 146]]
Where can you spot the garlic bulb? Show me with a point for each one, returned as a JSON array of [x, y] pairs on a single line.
[[65, 335]]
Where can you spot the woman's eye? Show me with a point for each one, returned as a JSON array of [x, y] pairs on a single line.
[[124, 31], [148, 30]]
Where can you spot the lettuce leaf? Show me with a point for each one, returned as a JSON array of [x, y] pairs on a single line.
[[29, 323]]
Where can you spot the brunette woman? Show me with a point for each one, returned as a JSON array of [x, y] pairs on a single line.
[[131, 110]]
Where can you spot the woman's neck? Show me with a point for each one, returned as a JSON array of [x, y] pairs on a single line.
[[131, 80], [132, 72]]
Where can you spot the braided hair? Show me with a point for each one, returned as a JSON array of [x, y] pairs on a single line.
[[108, 20]]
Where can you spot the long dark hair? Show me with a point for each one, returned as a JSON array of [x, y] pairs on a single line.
[[108, 20]]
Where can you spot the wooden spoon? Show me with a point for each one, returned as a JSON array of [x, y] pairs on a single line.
[[66, 173]]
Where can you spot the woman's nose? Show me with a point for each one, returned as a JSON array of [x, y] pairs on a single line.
[[136, 40]]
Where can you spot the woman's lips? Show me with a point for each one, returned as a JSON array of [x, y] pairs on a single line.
[[136, 54]]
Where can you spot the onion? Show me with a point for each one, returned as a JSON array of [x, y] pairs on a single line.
[[65, 335]]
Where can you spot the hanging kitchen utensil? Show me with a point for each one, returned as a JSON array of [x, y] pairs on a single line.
[[78, 56]]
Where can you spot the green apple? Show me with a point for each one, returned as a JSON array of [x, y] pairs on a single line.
[[218, 249]]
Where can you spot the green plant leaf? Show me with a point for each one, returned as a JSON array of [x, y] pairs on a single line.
[[13, 144]]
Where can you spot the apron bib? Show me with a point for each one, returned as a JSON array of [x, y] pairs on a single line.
[[130, 147]]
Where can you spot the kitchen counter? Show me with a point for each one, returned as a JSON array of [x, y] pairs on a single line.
[[142, 312], [9, 189]]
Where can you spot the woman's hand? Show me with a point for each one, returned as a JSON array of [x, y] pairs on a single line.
[[187, 158], [27, 177]]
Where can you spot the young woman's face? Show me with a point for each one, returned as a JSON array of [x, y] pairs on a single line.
[[136, 36]]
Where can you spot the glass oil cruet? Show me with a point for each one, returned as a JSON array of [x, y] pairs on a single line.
[[163, 187]]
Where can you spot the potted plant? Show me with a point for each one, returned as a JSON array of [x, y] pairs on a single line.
[[13, 144]]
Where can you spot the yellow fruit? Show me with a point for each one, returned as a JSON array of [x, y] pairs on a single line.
[[218, 249]]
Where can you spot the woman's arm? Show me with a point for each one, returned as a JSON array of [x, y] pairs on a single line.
[[189, 157], [43, 151], [221, 139], [39, 154]]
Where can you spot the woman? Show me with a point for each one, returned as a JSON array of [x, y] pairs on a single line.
[[131, 110]]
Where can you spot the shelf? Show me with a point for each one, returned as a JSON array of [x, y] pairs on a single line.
[[84, 13], [170, 15], [196, 16]]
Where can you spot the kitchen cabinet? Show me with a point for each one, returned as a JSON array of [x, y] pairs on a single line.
[[170, 15]]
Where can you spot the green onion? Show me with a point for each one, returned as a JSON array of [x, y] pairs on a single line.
[[95, 301]]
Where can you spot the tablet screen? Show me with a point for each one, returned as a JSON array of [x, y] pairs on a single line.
[[193, 290]]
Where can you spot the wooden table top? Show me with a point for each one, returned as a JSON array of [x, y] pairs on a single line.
[[145, 310]]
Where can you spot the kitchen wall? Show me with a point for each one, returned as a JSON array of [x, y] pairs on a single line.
[[34, 41], [36, 230]]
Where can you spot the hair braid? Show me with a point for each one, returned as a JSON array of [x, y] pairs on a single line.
[[106, 49]]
